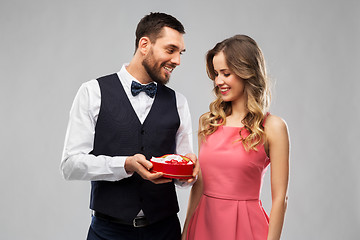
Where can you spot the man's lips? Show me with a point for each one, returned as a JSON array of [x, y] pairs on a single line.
[[169, 69]]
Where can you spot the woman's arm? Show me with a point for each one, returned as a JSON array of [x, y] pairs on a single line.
[[278, 146], [194, 199]]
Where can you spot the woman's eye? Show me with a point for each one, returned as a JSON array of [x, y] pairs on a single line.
[[226, 74]]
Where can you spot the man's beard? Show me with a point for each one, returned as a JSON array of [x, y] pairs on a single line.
[[153, 71]]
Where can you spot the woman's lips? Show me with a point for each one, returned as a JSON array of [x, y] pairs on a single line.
[[224, 91]]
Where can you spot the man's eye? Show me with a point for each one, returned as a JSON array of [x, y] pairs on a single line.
[[170, 50]]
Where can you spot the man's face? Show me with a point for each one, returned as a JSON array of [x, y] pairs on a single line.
[[164, 55]]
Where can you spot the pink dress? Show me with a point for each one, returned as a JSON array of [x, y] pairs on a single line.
[[230, 208]]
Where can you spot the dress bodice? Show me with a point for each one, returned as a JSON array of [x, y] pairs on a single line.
[[228, 170]]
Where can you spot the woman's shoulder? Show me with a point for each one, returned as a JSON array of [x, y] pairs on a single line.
[[275, 125]]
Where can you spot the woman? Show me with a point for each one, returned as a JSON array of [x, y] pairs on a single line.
[[238, 139]]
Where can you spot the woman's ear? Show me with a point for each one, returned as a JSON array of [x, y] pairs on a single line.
[[144, 45]]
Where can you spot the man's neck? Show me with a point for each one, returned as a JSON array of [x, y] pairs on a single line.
[[136, 69]]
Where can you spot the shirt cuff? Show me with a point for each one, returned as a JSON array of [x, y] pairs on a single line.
[[181, 184], [117, 164]]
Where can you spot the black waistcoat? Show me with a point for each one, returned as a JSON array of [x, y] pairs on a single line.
[[119, 132]]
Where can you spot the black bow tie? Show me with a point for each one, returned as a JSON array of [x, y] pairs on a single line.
[[149, 89]]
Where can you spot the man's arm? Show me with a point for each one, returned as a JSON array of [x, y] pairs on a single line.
[[184, 141], [77, 163]]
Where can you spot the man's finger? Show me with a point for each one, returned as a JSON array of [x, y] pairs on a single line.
[[192, 156], [156, 178], [196, 169], [161, 180], [145, 163]]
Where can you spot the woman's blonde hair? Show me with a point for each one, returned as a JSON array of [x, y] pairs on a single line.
[[245, 59]]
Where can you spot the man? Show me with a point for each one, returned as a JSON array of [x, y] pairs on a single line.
[[118, 122]]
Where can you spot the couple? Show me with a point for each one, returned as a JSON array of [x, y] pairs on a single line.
[[119, 121]]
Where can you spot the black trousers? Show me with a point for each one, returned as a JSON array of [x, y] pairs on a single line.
[[167, 229]]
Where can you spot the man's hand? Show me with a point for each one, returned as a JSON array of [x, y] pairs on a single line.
[[196, 169], [139, 164]]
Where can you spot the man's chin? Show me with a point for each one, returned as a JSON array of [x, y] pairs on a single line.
[[163, 81]]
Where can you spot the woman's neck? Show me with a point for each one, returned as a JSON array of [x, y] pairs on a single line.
[[238, 113], [238, 109]]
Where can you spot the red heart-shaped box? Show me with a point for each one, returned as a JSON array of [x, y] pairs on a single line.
[[173, 169]]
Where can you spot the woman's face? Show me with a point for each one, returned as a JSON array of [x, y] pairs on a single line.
[[230, 85]]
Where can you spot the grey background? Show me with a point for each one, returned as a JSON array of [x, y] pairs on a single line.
[[48, 48]]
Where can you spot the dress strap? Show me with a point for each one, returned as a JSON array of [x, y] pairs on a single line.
[[266, 115]]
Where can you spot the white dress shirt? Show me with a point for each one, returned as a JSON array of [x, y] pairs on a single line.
[[78, 164]]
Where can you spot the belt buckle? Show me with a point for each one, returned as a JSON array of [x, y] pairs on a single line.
[[139, 222]]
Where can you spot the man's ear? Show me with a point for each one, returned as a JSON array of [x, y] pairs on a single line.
[[144, 45]]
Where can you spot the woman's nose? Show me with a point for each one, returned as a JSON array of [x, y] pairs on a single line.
[[218, 81]]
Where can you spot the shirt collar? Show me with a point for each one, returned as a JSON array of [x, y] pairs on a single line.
[[126, 77]]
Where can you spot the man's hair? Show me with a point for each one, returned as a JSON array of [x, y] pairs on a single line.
[[151, 26]]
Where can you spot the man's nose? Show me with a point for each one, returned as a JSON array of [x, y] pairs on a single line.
[[176, 59]]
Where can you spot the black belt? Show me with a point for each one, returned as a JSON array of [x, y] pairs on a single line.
[[137, 221]]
